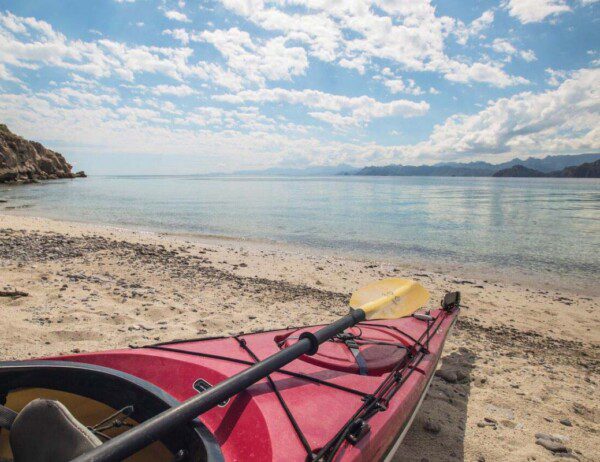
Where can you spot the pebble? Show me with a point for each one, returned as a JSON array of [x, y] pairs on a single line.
[[432, 427], [448, 375], [550, 445], [566, 422]]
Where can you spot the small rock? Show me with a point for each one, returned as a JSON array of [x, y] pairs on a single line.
[[447, 374], [432, 427], [552, 446], [566, 422]]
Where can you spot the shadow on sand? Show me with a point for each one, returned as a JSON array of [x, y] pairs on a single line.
[[437, 433]]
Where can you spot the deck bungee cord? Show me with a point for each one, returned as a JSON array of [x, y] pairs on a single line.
[[357, 426], [379, 400]]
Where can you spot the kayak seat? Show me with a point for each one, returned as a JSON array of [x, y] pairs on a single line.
[[46, 431]]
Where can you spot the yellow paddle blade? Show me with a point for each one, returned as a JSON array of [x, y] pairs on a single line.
[[390, 298]]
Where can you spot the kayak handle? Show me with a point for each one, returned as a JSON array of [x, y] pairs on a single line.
[[142, 435]]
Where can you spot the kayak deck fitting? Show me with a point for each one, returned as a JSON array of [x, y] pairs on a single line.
[[350, 401]]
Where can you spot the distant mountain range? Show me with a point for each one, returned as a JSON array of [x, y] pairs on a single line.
[[548, 164], [307, 171], [586, 170]]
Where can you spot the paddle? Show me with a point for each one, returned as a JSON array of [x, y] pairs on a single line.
[[387, 299]]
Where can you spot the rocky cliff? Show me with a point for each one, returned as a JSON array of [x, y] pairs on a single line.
[[23, 161]]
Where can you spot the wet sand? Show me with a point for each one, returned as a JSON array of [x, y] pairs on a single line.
[[520, 359]]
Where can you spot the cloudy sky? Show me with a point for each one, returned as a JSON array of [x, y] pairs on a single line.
[[191, 87]]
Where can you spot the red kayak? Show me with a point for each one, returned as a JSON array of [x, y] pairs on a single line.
[[353, 400]]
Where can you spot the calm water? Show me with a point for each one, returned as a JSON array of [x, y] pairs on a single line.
[[548, 229]]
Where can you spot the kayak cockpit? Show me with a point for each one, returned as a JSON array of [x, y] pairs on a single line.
[[86, 405]]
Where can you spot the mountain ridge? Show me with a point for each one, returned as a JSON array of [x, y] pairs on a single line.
[[546, 164], [585, 170]]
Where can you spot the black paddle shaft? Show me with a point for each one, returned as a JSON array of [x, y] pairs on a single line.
[[142, 435]]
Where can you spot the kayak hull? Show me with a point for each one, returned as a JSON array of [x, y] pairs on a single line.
[[255, 425]]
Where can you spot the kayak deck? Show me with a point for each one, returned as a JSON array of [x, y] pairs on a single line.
[[322, 405]]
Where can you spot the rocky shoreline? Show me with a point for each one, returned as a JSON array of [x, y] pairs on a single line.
[[23, 161], [517, 380]]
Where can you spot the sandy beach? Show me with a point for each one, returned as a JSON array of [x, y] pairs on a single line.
[[521, 361]]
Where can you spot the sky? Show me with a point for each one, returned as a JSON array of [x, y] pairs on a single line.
[[168, 86]]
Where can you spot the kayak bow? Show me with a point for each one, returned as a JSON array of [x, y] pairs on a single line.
[[388, 299]]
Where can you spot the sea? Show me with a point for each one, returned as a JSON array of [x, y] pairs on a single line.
[[542, 230]]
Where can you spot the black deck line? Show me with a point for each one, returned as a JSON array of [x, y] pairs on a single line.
[[298, 375], [331, 448], [286, 409]]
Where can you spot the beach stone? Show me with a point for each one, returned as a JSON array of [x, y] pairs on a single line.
[[432, 427], [447, 375], [553, 446], [485, 424]]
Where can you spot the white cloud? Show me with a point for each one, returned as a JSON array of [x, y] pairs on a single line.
[[482, 22], [334, 118], [503, 46], [178, 34], [357, 63], [29, 44], [565, 119], [359, 110], [408, 34], [174, 15], [67, 96], [257, 62], [6, 75], [464, 33], [482, 72], [234, 138], [398, 85], [556, 76], [528, 11], [174, 90], [528, 55]]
